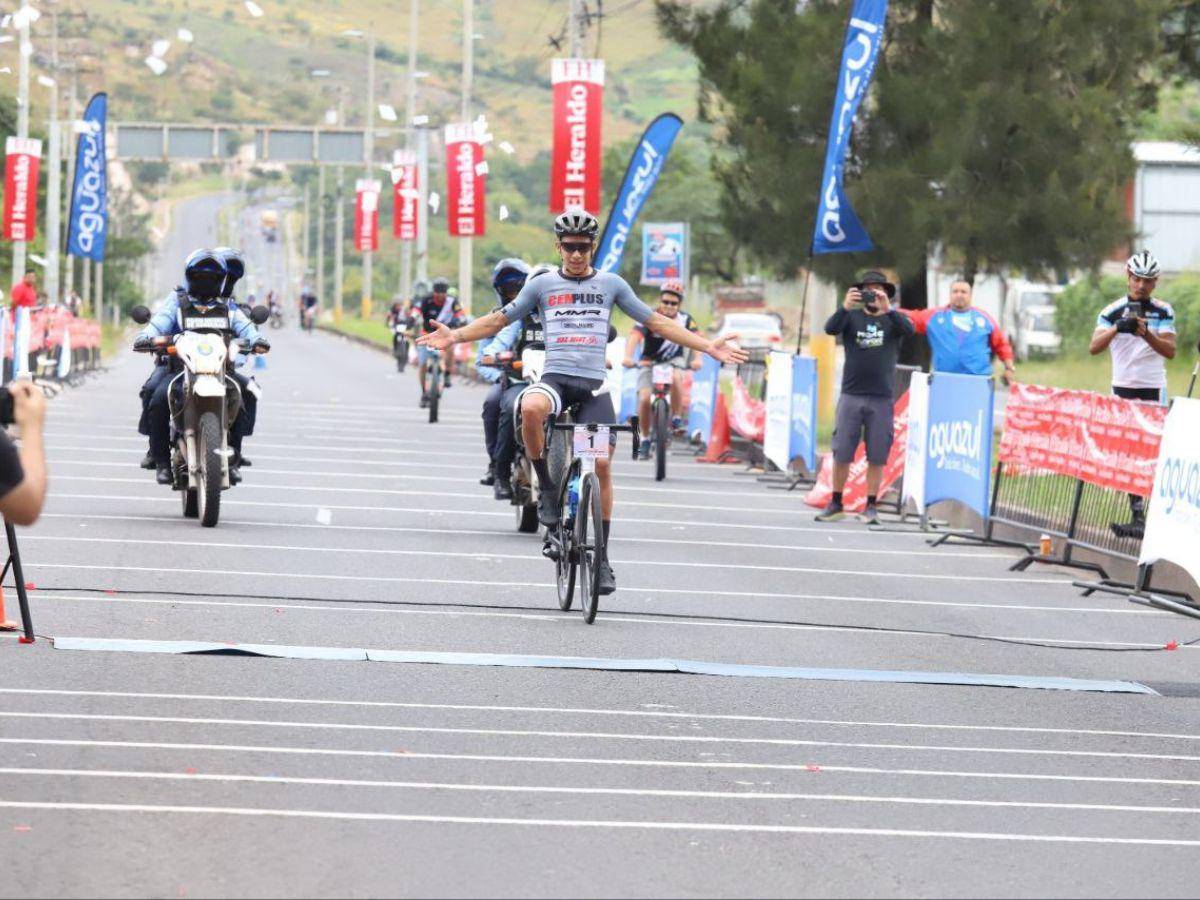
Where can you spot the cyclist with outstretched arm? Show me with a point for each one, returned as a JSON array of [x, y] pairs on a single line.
[[576, 303]]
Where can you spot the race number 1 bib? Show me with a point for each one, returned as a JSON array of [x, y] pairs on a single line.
[[591, 444]]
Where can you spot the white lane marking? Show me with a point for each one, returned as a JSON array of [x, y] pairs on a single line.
[[662, 793], [423, 463], [525, 539], [593, 761], [493, 557], [598, 735], [830, 531], [482, 556], [679, 506], [795, 504], [590, 711], [256, 812], [643, 621], [140, 442]]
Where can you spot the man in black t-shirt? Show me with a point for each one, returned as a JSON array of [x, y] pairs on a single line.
[[23, 472], [871, 333]]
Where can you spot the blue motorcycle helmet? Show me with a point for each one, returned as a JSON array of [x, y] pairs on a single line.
[[204, 274], [508, 277], [235, 268]]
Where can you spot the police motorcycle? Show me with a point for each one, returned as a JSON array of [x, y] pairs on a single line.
[[208, 400]]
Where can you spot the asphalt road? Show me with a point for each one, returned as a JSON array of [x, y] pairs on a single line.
[[360, 525]]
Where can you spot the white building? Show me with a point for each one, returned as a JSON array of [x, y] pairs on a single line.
[[1165, 203]]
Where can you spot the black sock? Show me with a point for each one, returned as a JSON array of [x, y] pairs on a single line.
[[837, 497], [543, 474], [870, 499]]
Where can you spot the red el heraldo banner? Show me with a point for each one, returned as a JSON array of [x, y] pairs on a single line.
[[405, 196], [466, 177], [1103, 440], [366, 214], [20, 188], [578, 107]]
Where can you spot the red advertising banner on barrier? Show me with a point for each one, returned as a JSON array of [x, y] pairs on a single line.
[[578, 110], [466, 181], [854, 497], [20, 188], [1103, 440], [366, 214], [406, 194], [747, 416]]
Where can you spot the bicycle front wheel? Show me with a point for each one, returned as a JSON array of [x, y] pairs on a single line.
[[435, 390], [589, 543], [662, 437]]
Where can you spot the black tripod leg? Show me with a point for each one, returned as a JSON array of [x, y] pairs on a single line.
[[14, 558]]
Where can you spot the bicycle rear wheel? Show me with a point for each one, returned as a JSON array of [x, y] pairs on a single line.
[[589, 543]]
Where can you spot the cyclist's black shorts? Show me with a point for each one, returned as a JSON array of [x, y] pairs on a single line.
[[567, 390]]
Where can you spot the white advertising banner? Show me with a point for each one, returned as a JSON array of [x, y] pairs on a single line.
[[777, 440], [918, 434], [1173, 520]]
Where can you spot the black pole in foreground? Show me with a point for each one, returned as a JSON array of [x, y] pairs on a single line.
[[804, 301], [14, 561]]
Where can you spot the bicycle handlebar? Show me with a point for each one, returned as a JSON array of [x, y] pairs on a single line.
[[632, 428]]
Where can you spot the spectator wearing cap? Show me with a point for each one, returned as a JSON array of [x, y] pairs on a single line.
[[871, 333], [962, 337]]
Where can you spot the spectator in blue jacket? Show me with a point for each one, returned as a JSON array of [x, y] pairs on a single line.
[[962, 337]]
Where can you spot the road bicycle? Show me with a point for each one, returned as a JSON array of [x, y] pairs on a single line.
[[661, 377], [433, 376], [577, 544]]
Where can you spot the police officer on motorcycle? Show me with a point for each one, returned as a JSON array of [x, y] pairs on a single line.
[[514, 337], [508, 277], [205, 275]]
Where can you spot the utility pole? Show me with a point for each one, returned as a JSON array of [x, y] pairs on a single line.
[[576, 27], [54, 175], [422, 136], [465, 250], [319, 287], [339, 224], [307, 251], [369, 164], [25, 51], [410, 110]]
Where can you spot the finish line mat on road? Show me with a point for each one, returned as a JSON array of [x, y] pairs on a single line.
[[675, 666]]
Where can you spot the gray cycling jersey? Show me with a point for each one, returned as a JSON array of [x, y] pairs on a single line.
[[576, 313]]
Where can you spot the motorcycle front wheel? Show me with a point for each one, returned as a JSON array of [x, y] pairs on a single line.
[[208, 449]]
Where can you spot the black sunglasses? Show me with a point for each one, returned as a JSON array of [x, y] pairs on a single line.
[[575, 247]]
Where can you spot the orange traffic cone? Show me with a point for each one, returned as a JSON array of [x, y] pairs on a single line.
[[718, 442], [6, 625]]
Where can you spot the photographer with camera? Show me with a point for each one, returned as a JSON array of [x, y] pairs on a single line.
[[22, 472], [1139, 332], [871, 333]]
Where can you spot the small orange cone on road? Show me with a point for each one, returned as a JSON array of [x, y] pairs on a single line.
[[6, 625], [718, 442]]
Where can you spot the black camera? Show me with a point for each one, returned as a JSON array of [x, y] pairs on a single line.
[[870, 298], [6, 407], [1127, 325]]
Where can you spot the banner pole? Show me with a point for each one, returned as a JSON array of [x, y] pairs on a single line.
[[804, 299]]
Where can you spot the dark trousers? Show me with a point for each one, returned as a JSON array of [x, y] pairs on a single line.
[[506, 437], [491, 418], [161, 373]]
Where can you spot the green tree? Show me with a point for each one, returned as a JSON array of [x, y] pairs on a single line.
[[997, 130]]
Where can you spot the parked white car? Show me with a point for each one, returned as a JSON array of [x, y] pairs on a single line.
[[754, 330], [1036, 333]]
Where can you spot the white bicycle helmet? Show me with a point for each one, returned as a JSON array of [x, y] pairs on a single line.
[[1143, 265], [577, 221]]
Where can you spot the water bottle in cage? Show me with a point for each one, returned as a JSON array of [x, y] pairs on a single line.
[[573, 497]]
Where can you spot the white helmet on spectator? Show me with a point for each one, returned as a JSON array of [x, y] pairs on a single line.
[[1143, 265]]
